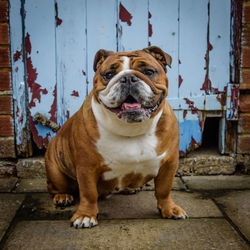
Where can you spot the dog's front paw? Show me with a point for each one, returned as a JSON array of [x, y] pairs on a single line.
[[83, 221], [169, 209], [63, 200]]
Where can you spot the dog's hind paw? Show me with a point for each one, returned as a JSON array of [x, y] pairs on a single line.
[[63, 200]]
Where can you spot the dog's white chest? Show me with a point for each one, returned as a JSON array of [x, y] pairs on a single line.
[[127, 148], [126, 155]]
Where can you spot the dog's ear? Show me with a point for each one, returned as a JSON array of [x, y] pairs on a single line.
[[100, 57], [163, 58]]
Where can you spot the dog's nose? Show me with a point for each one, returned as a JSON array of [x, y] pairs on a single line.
[[129, 79]]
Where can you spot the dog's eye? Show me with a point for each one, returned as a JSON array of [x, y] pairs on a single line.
[[149, 72], [108, 75]]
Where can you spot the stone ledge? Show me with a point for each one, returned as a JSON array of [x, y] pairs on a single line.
[[207, 163], [196, 163], [30, 168]]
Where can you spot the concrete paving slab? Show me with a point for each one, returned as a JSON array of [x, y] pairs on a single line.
[[236, 204], [7, 184], [221, 182], [31, 185], [177, 185], [140, 205], [126, 234], [9, 204], [40, 185]]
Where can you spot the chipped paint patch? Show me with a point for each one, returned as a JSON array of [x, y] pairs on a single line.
[[150, 28], [17, 55], [75, 93], [124, 15], [190, 103], [58, 20], [53, 109], [180, 81]]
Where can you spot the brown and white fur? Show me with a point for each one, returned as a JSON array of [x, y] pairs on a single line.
[[124, 135]]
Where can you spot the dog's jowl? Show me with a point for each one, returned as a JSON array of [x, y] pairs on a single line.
[[124, 135]]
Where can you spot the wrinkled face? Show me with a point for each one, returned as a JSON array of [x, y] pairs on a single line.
[[131, 85]]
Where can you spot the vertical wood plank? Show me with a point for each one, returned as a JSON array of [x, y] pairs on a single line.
[[71, 57], [101, 31], [163, 32], [133, 25], [40, 64], [193, 46], [22, 133], [219, 36]]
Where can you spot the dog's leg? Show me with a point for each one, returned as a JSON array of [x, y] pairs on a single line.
[[163, 185], [86, 214], [59, 185]]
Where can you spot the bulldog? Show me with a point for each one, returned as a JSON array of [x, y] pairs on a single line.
[[124, 135]]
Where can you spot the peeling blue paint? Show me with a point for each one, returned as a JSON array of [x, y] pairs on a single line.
[[188, 130], [44, 131]]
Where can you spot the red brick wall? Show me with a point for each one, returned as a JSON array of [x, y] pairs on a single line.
[[243, 143], [7, 142]]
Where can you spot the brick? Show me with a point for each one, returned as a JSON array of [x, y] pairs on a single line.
[[246, 13], [4, 57], [6, 126], [244, 103], [4, 34], [245, 57], [7, 147], [5, 83], [246, 35], [4, 11], [243, 144], [244, 123], [245, 79], [5, 105]]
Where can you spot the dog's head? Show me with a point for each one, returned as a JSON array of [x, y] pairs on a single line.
[[131, 85]]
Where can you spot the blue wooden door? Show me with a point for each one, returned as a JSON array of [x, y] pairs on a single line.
[[56, 42]]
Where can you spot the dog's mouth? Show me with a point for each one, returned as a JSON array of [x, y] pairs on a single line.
[[131, 107]]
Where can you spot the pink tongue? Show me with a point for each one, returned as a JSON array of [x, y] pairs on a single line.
[[131, 106]]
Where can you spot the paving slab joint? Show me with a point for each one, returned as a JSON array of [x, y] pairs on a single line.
[[12, 225], [184, 184], [236, 228]]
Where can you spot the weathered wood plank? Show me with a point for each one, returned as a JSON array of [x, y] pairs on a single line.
[[101, 31], [71, 57], [133, 25], [22, 133], [163, 32], [40, 62], [193, 46], [219, 37]]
